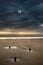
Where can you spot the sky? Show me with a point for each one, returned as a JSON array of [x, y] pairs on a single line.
[[21, 14]]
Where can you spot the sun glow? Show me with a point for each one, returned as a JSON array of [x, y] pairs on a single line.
[[20, 32]]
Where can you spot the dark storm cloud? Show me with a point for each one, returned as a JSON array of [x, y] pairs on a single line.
[[21, 13]]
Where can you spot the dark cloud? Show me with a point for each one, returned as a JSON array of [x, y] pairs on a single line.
[[31, 15]]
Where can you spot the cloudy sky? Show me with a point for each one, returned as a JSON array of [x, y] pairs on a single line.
[[21, 14]]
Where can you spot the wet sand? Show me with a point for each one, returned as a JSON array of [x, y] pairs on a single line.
[[33, 57]]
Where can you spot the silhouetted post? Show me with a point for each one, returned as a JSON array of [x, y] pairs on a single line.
[[9, 47], [15, 59], [29, 49]]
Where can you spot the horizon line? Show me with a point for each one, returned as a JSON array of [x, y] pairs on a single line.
[[21, 37]]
